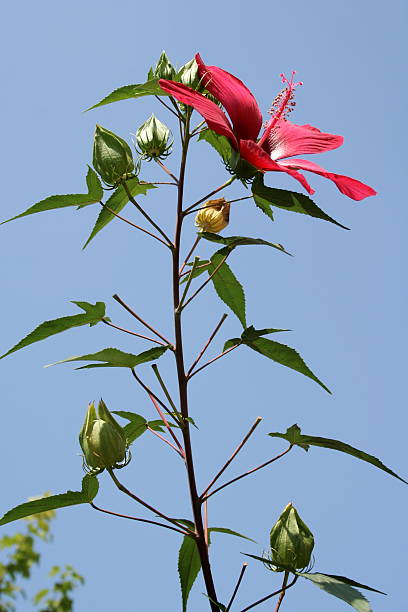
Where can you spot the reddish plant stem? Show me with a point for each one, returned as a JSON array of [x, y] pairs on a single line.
[[207, 344], [214, 359], [163, 167], [169, 429], [149, 391], [182, 384], [146, 216], [132, 312], [191, 251], [282, 595], [127, 331], [135, 518], [256, 603], [241, 575], [232, 457], [142, 229], [259, 467], [231, 180], [140, 501], [201, 287], [163, 439]]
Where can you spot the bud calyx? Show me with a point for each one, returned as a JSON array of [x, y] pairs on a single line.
[[103, 441], [291, 540], [214, 216], [152, 138]]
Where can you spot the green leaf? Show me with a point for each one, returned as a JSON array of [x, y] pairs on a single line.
[[285, 356], [265, 197], [117, 202], [250, 333], [95, 194], [295, 437], [93, 314], [231, 342], [226, 285], [114, 358], [202, 266], [52, 502], [234, 241], [189, 565], [341, 587], [217, 603], [220, 143], [150, 88], [137, 426], [229, 532]]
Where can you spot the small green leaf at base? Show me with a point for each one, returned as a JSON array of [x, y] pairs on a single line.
[[265, 197], [295, 437], [228, 288], [114, 358], [233, 241], [150, 88], [52, 502], [189, 565], [93, 314], [343, 588], [95, 194]]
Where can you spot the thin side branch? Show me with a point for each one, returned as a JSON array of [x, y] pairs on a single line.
[[163, 439], [167, 106], [169, 429], [140, 501], [226, 184], [214, 359], [132, 312], [207, 344], [232, 457], [149, 391], [259, 467], [241, 575], [127, 331], [146, 216], [165, 168], [256, 603], [155, 369], [201, 287], [282, 595], [197, 240], [135, 518], [145, 231]]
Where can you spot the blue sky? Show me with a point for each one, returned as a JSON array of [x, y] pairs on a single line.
[[343, 294]]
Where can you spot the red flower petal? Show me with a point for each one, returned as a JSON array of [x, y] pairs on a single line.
[[350, 187], [214, 116], [287, 139], [256, 156], [236, 98]]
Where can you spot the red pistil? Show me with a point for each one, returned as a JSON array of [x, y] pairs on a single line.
[[282, 106]]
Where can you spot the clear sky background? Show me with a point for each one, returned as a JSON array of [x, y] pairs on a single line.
[[343, 295]]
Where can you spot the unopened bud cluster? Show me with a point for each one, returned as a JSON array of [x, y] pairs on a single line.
[[103, 440], [214, 216], [291, 541]]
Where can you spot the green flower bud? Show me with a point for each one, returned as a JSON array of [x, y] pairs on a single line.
[[152, 138], [103, 440], [163, 70], [291, 540], [188, 74], [112, 157]]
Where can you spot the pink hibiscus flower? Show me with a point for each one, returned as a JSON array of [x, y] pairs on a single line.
[[281, 139]]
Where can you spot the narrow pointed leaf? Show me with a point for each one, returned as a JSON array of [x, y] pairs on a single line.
[[93, 314], [265, 197], [114, 358], [229, 532], [285, 356], [269, 563], [95, 194], [234, 241], [136, 427], [249, 334], [226, 285], [116, 203], [294, 436], [231, 342], [52, 502], [337, 587], [219, 143], [189, 565], [150, 88]]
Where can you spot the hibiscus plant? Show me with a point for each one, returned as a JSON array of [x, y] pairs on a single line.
[[231, 122]]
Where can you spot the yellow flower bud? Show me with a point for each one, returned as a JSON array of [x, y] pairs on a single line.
[[214, 216]]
